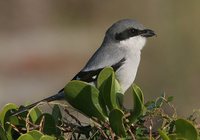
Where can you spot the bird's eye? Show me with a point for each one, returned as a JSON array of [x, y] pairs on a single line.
[[132, 30]]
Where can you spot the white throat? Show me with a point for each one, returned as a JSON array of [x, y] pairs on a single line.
[[133, 43]]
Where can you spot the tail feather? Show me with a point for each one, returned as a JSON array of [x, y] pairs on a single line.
[[58, 96]]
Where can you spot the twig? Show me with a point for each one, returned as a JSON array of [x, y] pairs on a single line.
[[150, 129], [41, 124], [132, 135], [72, 116]]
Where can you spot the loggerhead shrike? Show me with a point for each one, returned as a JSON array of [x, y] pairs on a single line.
[[120, 49]]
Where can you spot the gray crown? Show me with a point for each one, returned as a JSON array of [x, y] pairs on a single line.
[[124, 24]]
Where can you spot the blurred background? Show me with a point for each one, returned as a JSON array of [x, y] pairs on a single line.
[[43, 44]]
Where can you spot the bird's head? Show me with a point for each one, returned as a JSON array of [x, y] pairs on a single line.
[[128, 33]]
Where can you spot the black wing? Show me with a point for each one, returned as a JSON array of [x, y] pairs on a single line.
[[91, 76]]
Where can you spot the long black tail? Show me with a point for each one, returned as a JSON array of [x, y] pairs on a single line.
[[58, 96]]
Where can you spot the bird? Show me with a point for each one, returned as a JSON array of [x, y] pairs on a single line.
[[120, 49]]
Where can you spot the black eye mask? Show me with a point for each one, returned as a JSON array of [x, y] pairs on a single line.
[[127, 34]]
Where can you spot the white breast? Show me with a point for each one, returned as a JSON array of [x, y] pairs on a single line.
[[127, 72]]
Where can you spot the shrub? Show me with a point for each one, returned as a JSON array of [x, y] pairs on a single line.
[[155, 119]]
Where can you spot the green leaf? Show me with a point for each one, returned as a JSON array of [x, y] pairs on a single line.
[[35, 134], [49, 126], [172, 137], [35, 113], [116, 122], [163, 135], [150, 105], [85, 98], [106, 85], [56, 113], [120, 94], [45, 137], [139, 92], [6, 113], [25, 137], [139, 131], [6, 119], [2, 133], [138, 108], [185, 129], [159, 101], [170, 99]]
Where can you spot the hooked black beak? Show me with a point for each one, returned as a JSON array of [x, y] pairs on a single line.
[[147, 33]]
